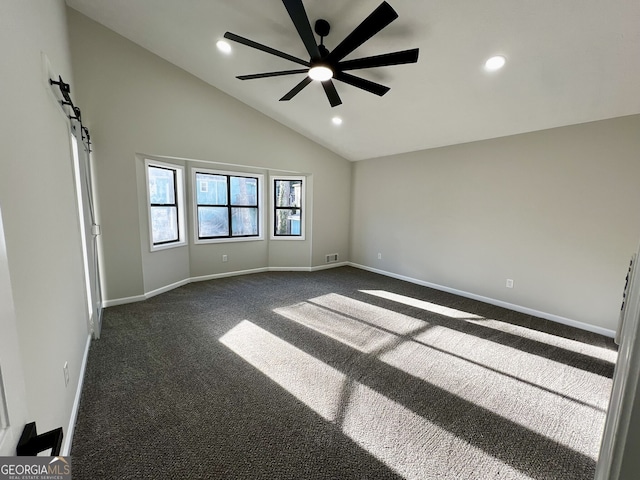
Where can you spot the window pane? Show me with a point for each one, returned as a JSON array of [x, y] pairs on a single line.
[[287, 222], [211, 189], [244, 221], [244, 191], [288, 193], [213, 222], [162, 185], [164, 224]]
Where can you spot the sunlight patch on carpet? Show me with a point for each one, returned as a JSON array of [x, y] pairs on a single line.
[[405, 441], [414, 302], [544, 396], [344, 329], [314, 383], [553, 340], [395, 322]]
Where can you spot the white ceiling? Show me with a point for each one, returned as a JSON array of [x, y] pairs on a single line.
[[568, 62]]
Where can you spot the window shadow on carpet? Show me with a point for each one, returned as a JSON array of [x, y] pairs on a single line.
[[309, 375]]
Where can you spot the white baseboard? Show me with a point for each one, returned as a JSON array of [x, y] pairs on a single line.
[[68, 438], [166, 288], [214, 276], [529, 311], [289, 269], [309, 269], [329, 265], [123, 301]]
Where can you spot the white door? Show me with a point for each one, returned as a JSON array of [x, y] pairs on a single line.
[[13, 408], [88, 225], [621, 440]]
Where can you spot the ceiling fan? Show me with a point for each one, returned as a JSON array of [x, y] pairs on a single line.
[[325, 65]]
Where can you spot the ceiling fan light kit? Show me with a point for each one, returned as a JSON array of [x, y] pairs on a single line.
[[324, 65], [320, 73], [223, 46], [495, 63]]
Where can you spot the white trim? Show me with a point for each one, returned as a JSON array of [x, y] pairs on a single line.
[[302, 208], [194, 213], [122, 301], [331, 265], [623, 403], [164, 289], [214, 276], [4, 413], [290, 269], [529, 311], [186, 281], [180, 201], [80, 208], [235, 273], [68, 439], [517, 308], [212, 162]]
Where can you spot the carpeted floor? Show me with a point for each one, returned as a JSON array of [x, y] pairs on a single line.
[[338, 374]]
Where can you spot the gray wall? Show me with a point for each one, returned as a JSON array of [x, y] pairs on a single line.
[[48, 324], [548, 209], [556, 211], [135, 104]]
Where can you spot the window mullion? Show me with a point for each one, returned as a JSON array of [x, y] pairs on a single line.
[[240, 207], [288, 207], [165, 218], [175, 199], [229, 216]]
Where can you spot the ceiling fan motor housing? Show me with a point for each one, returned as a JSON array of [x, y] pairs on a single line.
[[323, 51]]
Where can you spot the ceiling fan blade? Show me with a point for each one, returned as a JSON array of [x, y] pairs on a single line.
[[367, 85], [376, 21], [332, 93], [264, 48], [295, 90], [386, 59], [301, 21], [271, 74]]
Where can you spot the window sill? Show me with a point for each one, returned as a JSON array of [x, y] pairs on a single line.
[[167, 246], [282, 237], [228, 240]]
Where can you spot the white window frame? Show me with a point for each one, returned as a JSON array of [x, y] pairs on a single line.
[[180, 200], [303, 207], [194, 210]]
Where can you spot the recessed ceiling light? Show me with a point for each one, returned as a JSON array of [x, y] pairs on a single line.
[[320, 73], [223, 46], [495, 63], [336, 120]]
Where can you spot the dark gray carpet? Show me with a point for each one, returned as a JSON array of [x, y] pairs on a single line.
[[338, 374]]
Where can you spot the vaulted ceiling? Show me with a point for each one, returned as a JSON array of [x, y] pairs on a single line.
[[568, 62]]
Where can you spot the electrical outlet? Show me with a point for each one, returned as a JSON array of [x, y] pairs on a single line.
[[509, 283], [225, 258], [65, 369], [379, 256]]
